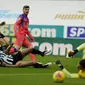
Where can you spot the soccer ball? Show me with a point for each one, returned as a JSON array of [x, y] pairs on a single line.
[[58, 76]]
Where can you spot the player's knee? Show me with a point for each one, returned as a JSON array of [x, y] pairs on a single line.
[[19, 64]]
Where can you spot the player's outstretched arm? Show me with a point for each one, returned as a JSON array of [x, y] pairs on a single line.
[[67, 74], [80, 47], [70, 75]]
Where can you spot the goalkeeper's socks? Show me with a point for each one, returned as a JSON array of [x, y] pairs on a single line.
[[34, 51], [58, 63]]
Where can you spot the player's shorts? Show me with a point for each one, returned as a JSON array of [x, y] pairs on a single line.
[[17, 57], [22, 41], [16, 30], [19, 40], [26, 42], [1, 35]]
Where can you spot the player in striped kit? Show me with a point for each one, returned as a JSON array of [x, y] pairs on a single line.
[[15, 59]]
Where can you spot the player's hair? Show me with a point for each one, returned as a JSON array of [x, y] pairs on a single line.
[[82, 63], [26, 6]]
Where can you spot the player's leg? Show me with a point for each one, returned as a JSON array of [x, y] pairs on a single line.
[[30, 49], [83, 54], [70, 75], [72, 53], [67, 74], [81, 47], [34, 51], [40, 65], [26, 51], [3, 44], [18, 43], [19, 40], [18, 56], [31, 63], [24, 63], [28, 44], [15, 48], [4, 41]]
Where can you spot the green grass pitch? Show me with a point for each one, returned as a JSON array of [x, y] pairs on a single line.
[[36, 76]]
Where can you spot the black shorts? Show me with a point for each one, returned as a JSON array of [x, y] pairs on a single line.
[[1, 35], [17, 57]]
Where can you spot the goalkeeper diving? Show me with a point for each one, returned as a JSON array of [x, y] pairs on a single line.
[[80, 66], [81, 70]]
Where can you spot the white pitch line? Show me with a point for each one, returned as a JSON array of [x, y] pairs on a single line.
[[28, 74]]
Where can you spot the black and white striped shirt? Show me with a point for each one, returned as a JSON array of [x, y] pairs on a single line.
[[8, 59]]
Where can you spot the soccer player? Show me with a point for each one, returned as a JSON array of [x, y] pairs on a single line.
[[3, 40], [81, 68], [15, 59], [4, 46], [20, 32], [81, 47]]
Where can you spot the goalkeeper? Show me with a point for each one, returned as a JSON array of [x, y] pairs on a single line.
[[81, 65], [81, 68]]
